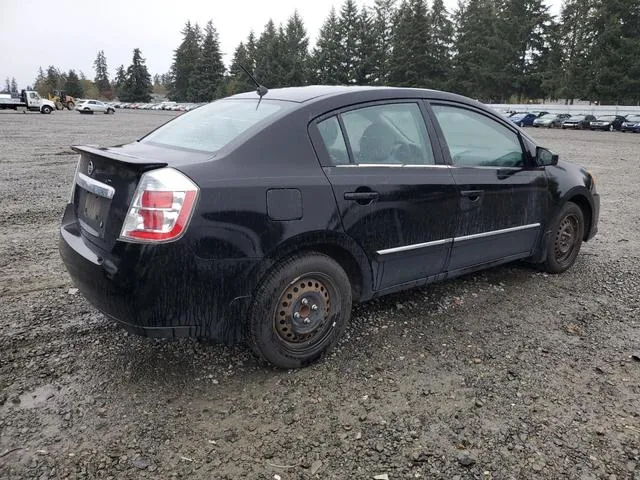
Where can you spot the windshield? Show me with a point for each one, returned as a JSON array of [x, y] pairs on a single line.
[[518, 115], [633, 118], [550, 116], [212, 126], [606, 118], [576, 118]]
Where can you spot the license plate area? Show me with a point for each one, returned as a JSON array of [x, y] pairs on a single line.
[[93, 211]]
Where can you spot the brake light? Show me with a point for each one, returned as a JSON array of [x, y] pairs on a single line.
[[161, 207]]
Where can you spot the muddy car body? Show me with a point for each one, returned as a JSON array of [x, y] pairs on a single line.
[[327, 196]]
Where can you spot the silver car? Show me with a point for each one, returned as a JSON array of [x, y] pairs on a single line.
[[94, 106]]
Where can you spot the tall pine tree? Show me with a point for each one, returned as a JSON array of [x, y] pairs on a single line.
[[102, 74], [295, 42], [384, 11], [137, 84], [185, 59], [326, 54], [209, 70], [348, 55], [410, 65], [72, 86], [440, 46], [269, 55]]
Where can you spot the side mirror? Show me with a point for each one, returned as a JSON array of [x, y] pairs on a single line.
[[545, 157]]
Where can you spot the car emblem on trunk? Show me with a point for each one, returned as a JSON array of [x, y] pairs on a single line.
[[90, 167]]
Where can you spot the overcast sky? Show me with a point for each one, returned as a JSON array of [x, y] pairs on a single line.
[[69, 33]]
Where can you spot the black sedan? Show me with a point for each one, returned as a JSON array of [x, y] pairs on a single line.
[[578, 122], [607, 122], [265, 219]]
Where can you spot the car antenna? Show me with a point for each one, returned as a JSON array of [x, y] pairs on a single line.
[[261, 90]]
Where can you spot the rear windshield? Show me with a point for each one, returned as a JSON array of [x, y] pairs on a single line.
[[577, 118], [606, 117], [549, 115], [211, 127]]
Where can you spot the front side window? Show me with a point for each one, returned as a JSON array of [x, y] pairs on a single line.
[[388, 134], [475, 140], [212, 126]]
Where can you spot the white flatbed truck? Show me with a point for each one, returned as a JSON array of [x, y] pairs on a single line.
[[30, 100]]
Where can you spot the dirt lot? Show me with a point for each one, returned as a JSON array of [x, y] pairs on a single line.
[[509, 373]]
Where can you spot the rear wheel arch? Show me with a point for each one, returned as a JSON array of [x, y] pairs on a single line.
[[337, 246]]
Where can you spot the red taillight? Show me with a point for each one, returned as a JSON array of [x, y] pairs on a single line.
[[161, 208], [151, 199]]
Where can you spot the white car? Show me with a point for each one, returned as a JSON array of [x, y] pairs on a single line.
[[94, 106]]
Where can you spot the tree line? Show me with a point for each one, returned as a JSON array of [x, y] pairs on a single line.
[[491, 50], [132, 84]]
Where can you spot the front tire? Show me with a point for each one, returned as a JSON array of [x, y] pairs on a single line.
[[299, 311], [567, 232], [46, 109]]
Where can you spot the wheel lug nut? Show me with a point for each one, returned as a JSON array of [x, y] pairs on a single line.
[[314, 307], [296, 315], [305, 301], [307, 321]]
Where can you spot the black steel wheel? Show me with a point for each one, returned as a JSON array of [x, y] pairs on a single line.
[[566, 238], [299, 311]]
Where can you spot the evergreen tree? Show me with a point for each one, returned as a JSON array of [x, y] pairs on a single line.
[[137, 85], [14, 87], [326, 54], [525, 25], [577, 40], [209, 69], [365, 68], [53, 80], [121, 77], [551, 82], [615, 63], [440, 46], [185, 59], [102, 74], [40, 84], [72, 86], [479, 69], [7, 86], [384, 11], [348, 31], [269, 57], [410, 64], [296, 47]]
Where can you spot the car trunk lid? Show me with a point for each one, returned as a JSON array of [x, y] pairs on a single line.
[[106, 180]]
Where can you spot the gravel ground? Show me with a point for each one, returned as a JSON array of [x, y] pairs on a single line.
[[509, 373]]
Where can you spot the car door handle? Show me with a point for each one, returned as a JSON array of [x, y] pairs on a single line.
[[472, 195], [359, 196]]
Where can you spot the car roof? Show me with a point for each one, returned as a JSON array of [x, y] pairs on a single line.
[[314, 92]]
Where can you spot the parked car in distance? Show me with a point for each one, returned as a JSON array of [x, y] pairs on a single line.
[[538, 113], [523, 119], [94, 106], [607, 122], [266, 219], [578, 121], [550, 120], [631, 123]]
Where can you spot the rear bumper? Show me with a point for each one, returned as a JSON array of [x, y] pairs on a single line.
[[159, 290]]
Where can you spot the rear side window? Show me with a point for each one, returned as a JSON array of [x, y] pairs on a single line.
[[212, 126], [475, 140], [334, 141]]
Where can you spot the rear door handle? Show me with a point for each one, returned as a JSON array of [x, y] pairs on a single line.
[[472, 195], [360, 196]]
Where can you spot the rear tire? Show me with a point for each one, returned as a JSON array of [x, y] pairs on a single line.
[[567, 232], [299, 311]]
